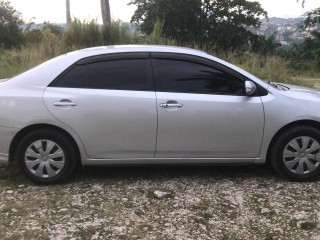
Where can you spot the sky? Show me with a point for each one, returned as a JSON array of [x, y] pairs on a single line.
[[54, 10]]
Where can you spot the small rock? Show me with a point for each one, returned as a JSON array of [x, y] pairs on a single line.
[[9, 191], [204, 228], [97, 187], [265, 210], [160, 194], [119, 230]]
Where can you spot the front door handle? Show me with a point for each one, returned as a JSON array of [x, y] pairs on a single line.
[[171, 105], [64, 103]]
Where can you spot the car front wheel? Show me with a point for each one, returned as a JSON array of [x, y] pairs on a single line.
[[296, 154], [46, 157]]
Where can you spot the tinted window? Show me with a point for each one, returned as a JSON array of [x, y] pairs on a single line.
[[189, 77], [119, 74], [129, 74], [74, 78]]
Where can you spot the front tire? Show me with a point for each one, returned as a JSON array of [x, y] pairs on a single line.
[[296, 154], [46, 157]]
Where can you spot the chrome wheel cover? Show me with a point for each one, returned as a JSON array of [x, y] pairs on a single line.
[[302, 155], [44, 158]]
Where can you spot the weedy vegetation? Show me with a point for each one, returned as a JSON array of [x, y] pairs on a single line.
[[50, 42]]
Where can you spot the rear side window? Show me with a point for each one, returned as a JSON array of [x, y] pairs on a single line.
[[189, 77], [124, 74], [120, 74], [77, 77]]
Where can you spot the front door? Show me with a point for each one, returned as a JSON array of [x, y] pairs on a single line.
[[203, 113]]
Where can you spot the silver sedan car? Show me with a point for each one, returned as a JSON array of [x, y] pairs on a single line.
[[154, 105]]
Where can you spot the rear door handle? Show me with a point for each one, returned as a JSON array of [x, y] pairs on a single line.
[[64, 103], [171, 105]]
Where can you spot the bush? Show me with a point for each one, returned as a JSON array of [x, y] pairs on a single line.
[[82, 34], [10, 33], [117, 33]]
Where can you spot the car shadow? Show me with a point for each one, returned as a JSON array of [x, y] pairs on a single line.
[[12, 175], [172, 172]]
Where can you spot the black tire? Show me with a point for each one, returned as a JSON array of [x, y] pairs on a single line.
[[62, 143], [282, 143]]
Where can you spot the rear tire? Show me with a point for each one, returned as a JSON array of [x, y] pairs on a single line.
[[295, 154], [46, 157]]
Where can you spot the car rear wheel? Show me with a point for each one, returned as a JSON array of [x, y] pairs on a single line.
[[46, 157], [296, 154]]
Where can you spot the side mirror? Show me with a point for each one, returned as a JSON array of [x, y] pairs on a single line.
[[250, 88]]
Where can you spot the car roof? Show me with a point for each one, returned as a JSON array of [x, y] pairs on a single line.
[[87, 52], [144, 48]]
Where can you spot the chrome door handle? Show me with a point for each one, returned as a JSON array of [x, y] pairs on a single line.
[[64, 103], [171, 105]]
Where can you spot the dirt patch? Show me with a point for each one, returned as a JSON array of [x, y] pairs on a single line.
[[125, 203]]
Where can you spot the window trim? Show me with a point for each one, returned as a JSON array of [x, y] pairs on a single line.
[[152, 71]]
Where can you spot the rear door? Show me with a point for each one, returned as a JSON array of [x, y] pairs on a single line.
[[109, 101]]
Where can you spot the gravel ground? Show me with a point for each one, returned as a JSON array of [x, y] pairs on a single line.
[[167, 202]]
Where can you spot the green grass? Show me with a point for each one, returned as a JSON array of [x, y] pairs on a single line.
[[269, 68]]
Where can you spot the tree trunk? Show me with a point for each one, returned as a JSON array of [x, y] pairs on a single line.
[[303, 2], [105, 11], [68, 12]]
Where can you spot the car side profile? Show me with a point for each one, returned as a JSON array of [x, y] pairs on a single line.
[[148, 104]]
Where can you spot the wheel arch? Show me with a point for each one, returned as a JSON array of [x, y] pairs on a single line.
[[25, 131], [311, 123]]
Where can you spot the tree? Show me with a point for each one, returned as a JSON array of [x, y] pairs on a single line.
[[312, 19], [265, 45], [302, 2], [181, 19], [228, 21], [221, 22], [68, 12], [105, 11], [311, 44], [10, 33]]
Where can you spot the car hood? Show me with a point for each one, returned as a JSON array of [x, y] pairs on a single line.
[[295, 88], [300, 92]]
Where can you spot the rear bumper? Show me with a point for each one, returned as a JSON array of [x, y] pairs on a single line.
[[6, 136]]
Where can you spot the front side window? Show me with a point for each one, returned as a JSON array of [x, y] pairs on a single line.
[[123, 74], [189, 77]]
